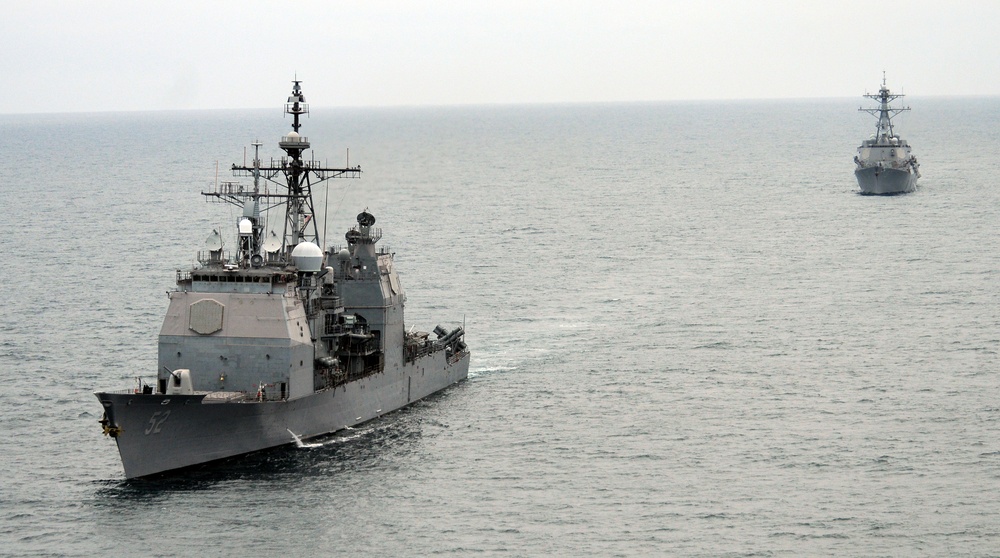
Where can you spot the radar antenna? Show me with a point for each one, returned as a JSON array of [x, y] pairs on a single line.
[[885, 113], [295, 178]]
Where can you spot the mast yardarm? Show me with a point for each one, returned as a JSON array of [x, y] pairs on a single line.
[[295, 177], [884, 113]]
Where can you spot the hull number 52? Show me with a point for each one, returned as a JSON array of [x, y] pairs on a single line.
[[156, 421]]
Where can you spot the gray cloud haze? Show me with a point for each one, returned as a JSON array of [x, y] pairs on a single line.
[[101, 55]]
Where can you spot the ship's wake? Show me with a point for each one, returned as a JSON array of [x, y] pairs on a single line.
[[348, 434]]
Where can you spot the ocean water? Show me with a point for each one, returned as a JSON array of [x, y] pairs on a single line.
[[691, 335]]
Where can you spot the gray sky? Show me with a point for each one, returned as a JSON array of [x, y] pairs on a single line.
[[97, 55]]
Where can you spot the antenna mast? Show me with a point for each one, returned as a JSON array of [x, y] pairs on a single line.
[[295, 176]]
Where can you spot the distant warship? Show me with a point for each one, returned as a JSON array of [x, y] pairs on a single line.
[[281, 340], [884, 163]]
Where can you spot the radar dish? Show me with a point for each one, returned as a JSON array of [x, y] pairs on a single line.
[[273, 243], [366, 219], [214, 241]]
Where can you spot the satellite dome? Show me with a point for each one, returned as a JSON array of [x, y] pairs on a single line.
[[292, 135], [308, 257], [344, 255]]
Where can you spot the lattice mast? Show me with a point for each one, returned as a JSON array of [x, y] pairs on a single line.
[[884, 113], [295, 178]]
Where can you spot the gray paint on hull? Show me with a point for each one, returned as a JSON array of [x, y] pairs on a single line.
[[887, 181], [195, 431]]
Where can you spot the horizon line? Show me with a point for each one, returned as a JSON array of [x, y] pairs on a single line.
[[490, 104]]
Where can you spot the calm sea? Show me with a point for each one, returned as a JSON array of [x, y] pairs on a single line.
[[691, 335]]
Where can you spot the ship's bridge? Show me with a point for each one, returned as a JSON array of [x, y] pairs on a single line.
[[234, 281]]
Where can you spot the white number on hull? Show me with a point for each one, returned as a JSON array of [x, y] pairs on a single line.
[[156, 421]]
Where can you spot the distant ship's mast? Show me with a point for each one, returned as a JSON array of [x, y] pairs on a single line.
[[293, 175], [884, 113]]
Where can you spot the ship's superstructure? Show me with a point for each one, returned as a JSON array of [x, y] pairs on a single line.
[[278, 339], [884, 164]]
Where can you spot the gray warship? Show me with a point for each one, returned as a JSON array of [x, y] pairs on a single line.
[[278, 340], [884, 164]]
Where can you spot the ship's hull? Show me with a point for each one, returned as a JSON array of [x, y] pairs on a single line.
[[165, 432], [884, 181]]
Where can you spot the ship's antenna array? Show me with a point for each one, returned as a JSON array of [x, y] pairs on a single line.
[[884, 112], [295, 178]]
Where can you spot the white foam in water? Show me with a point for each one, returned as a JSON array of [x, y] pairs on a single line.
[[300, 444]]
